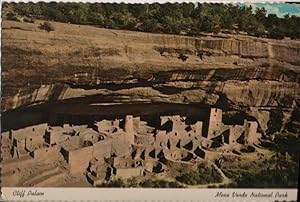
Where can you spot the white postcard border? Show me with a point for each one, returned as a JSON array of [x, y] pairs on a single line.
[[145, 194]]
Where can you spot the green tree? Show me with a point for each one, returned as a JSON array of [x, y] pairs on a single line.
[[150, 25], [260, 14], [167, 18]]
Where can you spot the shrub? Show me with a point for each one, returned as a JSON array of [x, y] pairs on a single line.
[[46, 26], [276, 34], [12, 16], [113, 183], [276, 177], [203, 175], [149, 183], [134, 182]]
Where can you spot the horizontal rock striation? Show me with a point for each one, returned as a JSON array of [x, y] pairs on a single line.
[[76, 61]]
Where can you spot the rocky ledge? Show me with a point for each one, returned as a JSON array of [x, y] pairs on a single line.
[[101, 66]]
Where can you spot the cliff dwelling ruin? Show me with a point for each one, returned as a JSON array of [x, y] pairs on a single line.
[[44, 154]]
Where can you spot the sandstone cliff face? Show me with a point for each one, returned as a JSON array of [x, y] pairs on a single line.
[[131, 67]]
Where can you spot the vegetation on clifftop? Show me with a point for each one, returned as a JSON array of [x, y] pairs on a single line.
[[172, 18]]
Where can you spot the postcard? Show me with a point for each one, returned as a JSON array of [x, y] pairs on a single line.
[[150, 102]]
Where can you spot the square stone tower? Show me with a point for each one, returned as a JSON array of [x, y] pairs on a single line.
[[129, 128], [215, 122]]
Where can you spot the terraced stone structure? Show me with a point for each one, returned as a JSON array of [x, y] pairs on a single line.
[[108, 150]]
